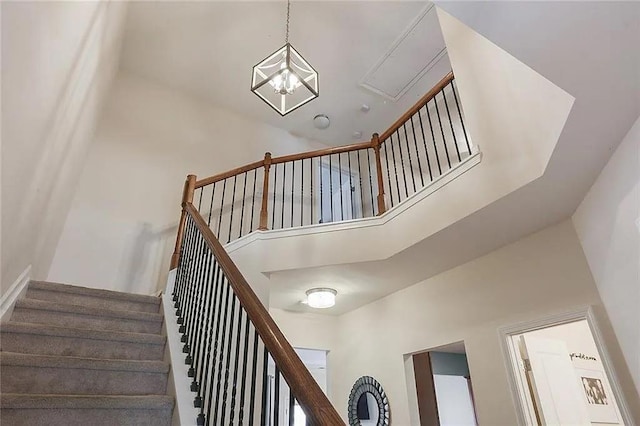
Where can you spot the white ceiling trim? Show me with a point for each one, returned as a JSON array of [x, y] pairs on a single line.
[[367, 81]]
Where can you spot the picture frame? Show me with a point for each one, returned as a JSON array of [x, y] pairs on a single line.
[[598, 396]]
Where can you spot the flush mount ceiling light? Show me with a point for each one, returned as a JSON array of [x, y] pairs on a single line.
[[321, 121], [321, 298], [285, 80]]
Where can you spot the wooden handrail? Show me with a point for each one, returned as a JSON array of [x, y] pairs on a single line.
[[230, 173], [313, 401], [416, 107], [321, 152]]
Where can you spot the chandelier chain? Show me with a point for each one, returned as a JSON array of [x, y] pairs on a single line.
[[286, 38]]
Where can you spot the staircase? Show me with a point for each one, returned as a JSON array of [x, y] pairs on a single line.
[[79, 356]]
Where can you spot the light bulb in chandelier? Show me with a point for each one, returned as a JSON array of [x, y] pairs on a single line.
[[286, 82]]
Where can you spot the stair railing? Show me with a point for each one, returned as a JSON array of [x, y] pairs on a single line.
[[244, 370], [336, 184]]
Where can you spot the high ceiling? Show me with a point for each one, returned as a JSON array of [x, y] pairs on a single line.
[[208, 49]]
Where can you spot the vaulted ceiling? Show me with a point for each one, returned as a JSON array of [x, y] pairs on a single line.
[[209, 48]]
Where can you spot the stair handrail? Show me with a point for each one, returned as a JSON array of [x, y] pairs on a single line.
[[306, 390]]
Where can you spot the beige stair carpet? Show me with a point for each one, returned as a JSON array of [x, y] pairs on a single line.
[[79, 356]]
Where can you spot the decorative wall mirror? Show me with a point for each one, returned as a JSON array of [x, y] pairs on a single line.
[[368, 404]]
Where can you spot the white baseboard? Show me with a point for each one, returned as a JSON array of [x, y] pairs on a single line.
[[15, 292]]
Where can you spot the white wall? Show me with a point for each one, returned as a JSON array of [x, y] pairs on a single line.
[[121, 228], [540, 274], [58, 59], [608, 225]]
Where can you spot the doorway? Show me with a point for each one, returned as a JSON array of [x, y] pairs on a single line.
[[443, 386], [339, 194], [561, 374]]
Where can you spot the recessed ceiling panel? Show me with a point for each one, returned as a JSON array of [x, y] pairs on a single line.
[[419, 47]]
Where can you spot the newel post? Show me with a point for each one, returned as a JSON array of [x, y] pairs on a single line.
[[187, 197], [375, 144], [265, 192]]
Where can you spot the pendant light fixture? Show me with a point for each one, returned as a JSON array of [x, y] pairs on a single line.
[[285, 80]]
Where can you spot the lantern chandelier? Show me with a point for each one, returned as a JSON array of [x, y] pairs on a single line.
[[285, 80]]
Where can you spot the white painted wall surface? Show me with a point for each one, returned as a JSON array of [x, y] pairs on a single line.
[[608, 225], [58, 59], [540, 274], [121, 228]]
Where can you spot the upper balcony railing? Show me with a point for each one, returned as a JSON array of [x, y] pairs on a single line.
[[337, 184]]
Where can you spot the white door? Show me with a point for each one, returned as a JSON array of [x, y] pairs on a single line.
[[554, 383]]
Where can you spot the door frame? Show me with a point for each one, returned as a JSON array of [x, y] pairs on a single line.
[[524, 408]]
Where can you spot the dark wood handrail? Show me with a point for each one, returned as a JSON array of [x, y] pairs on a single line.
[[230, 173], [313, 401], [321, 152], [416, 107]]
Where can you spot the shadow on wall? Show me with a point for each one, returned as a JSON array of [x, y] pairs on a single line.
[[145, 265]]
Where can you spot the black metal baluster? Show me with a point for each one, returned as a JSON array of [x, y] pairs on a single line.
[[444, 141], [293, 180], [321, 207], [195, 311], [284, 183], [301, 191], [406, 139], [186, 251], [214, 307], [233, 205], [311, 188], [234, 385], [351, 187], [221, 296], [187, 312], [360, 182], [200, 199], [244, 195], [426, 151], [253, 199], [464, 130], [415, 142], [276, 402], [386, 160], [331, 187], [183, 285], [225, 393], [340, 188], [254, 375], [265, 387], [275, 181], [200, 332], [291, 409], [224, 188], [453, 133], [373, 204], [433, 137], [213, 194], [404, 172], [244, 370], [395, 169], [221, 357]]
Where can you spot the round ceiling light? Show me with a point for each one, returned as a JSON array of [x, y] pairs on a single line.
[[321, 298], [321, 121]]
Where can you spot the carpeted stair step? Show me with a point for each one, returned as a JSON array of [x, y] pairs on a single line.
[[92, 297], [76, 316], [38, 374], [80, 410], [59, 341]]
